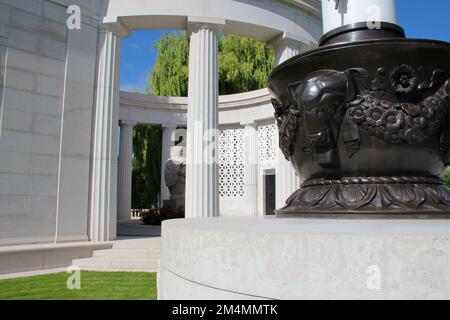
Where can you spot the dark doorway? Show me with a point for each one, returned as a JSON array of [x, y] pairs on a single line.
[[270, 194]]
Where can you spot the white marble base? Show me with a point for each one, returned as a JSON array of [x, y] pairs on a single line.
[[244, 258]]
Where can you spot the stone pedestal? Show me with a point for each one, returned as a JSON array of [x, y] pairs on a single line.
[[269, 258]]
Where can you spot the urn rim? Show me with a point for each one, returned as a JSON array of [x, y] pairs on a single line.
[[415, 47]]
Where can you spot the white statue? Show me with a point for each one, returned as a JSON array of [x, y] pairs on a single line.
[[175, 175]]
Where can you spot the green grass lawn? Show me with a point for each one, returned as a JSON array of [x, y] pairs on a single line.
[[94, 286]]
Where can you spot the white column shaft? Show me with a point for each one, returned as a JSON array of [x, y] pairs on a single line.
[[124, 184], [354, 11], [103, 203], [285, 49], [202, 196], [286, 180], [168, 140], [251, 168]]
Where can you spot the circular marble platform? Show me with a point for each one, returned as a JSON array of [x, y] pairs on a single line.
[[270, 258]]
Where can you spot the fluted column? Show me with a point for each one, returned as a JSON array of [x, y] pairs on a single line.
[[251, 167], [202, 177], [286, 179], [124, 181], [284, 48], [3, 51], [103, 193], [168, 140]]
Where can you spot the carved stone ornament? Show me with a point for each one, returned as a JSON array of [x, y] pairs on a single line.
[[372, 195], [367, 134]]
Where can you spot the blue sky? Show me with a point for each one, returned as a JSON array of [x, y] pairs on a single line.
[[421, 19], [425, 19], [138, 57]]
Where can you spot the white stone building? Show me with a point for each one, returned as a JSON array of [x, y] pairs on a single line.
[[63, 186]]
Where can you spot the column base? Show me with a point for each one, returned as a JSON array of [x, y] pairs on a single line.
[[373, 196]]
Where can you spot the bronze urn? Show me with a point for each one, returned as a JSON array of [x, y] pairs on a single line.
[[365, 121]]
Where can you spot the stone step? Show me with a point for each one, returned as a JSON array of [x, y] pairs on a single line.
[[134, 254], [126, 253], [147, 243], [116, 264]]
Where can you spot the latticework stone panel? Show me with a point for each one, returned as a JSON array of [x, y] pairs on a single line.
[[231, 163], [267, 143]]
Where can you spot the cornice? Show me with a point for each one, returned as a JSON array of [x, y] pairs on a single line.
[[312, 6], [226, 102]]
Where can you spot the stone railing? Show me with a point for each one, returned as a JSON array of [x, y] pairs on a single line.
[[135, 214]]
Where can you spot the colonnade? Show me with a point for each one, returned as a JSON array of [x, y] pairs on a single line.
[[202, 198]]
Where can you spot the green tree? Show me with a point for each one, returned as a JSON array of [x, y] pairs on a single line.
[[170, 73], [147, 141], [244, 64]]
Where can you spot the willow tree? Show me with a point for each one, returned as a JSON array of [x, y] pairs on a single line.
[[169, 76], [147, 141], [244, 65]]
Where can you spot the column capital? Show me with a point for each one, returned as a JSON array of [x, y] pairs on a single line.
[[114, 25], [169, 125], [249, 123], [194, 24], [287, 39], [127, 123]]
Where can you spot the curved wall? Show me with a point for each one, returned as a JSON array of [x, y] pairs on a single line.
[[235, 111]]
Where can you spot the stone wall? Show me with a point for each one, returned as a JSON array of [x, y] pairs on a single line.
[[47, 91]]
